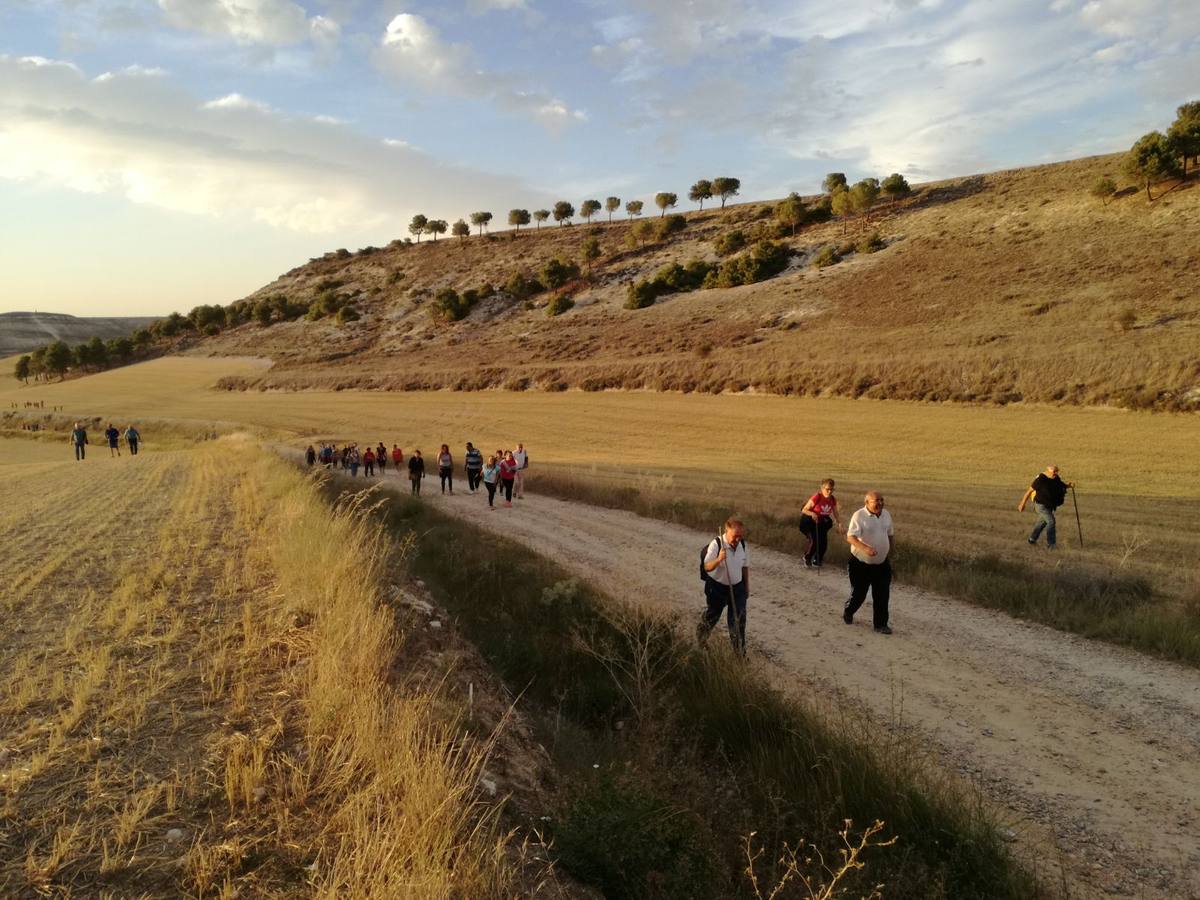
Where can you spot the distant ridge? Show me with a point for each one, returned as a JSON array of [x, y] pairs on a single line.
[[23, 331]]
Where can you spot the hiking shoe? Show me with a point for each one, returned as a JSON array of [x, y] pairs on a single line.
[[816, 564], [807, 563], [848, 618], [883, 630], [1031, 542]]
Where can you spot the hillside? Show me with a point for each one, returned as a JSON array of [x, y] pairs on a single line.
[[23, 331], [1016, 285]]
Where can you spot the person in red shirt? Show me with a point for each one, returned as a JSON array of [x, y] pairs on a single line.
[[397, 457], [820, 514], [508, 474], [368, 462]]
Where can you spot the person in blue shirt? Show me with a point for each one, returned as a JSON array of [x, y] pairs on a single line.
[[132, 438]]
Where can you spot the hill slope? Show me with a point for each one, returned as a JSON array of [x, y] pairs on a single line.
[[1011, 286], [23, 331]]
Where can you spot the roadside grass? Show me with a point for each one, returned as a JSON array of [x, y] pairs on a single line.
[[1106, 603], [673, 757], [203, 694]]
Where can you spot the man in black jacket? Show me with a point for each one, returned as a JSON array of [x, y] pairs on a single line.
[[1048, 492]]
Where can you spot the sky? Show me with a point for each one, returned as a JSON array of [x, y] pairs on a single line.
[[159, 154]]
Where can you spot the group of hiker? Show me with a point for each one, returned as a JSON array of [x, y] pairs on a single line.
[[503, 472], [725, 565], [113, 435]]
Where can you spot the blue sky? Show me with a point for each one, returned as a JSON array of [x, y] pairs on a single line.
[[156, 154]]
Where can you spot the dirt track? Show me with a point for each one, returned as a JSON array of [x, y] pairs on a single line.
[[1095, 745]]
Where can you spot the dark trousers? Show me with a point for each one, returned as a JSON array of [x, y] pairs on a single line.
[[818, 537], [717, 597], [133, 448], [416, 483], [878, 580], [80, 451], [369, 469], [447, 475], [474, 476], [491, 489], [508, 485]]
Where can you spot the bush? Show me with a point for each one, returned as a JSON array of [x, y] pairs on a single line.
[[767, 259], [730, 242], [522, 285], [1127, 319], [827, 257], [486, 290], [347, 314], [212, 329], [641, 294], [845, 248], [559, 305], [342, 253], [674, 277], [558, 272], [633, 844], [669, 225], [448, 305], [872, 243]]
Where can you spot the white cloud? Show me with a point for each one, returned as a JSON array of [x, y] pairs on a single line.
[[413, 49], [273, 22], [133, 71], [150, 141], [237, 101]]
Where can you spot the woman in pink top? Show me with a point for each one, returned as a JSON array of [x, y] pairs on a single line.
[[820, 514], [508, 474]]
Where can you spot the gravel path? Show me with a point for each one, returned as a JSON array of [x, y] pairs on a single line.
[[1097, 746]]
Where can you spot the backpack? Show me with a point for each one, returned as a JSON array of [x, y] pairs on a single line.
[[704, 576]]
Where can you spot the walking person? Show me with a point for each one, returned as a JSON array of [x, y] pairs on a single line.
[[132, 439], [474, 467], [871, 541], [310, 456], [820, 514], [726, 573], [491, 480], [381, 458], [1048, 492], [79, 439], [114, 440], [508, 475], [369, 463], [397, 457], [522, 460], [445, 464], [353, 457], [416, 471]]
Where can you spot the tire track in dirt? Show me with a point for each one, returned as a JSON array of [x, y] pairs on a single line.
[[1093, 743]]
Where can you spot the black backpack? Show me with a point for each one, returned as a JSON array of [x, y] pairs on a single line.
[[704, 576]]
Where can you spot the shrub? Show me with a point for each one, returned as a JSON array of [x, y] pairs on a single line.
[[641, 232], [558, 272], [674, 277], [669, 225], [631, 844], [522, 285], [447, 304], [486, 290], [765, 260], [396, 277], [872, 243], [845, 248], [559, 305], [212, 329], [827, 257], [641, 294], [342, 253], [347, 314], [730, 242], [1103, 189], [1127, 318]]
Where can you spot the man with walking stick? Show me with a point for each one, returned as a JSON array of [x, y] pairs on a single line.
[[1048, 492], [725, 570]]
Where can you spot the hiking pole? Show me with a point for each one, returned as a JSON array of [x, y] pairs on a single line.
[[739, 622], [1078, 526]]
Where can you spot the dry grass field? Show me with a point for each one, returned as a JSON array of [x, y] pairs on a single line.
[[180, 710], [952, 473], [1015, 285]]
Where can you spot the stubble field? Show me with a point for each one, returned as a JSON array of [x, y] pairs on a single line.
[[952, 473]]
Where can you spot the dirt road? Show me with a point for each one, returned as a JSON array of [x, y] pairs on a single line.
[[1095, 745]]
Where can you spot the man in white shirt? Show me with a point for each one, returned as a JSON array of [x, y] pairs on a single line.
[[521, 457], [871, 542], [726, 573]]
